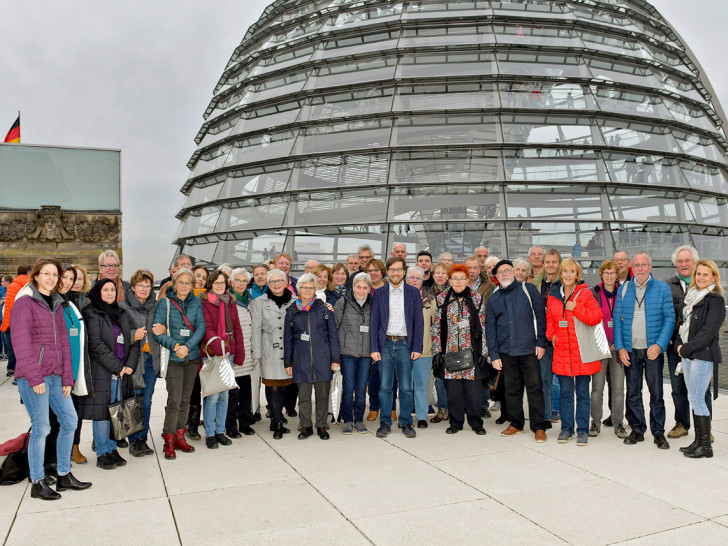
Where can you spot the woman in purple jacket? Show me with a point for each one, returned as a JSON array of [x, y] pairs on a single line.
[[45, 376]]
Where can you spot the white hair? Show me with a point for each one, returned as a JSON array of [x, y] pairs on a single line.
[[415, 269], [239, 271], [693, 251], [305, 279], [361, 277], [491, 260], [275, 273]]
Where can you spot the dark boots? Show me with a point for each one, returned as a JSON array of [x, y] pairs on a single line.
[[279, 431], [193, 422], [691, 447], [702, 436]]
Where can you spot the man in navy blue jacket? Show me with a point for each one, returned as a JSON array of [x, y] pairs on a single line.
[[515, 332], [396, 332]]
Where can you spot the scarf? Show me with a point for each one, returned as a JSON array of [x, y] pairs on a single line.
[[281, 300], [241, 299], [340, 290], [360, 302], [686, 280], [112, 310], [609, 294], [692, 298], [302, 307], [221, 302]]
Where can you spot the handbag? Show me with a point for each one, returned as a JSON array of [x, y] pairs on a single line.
[[216, 374], [335, 395], [593, 342], [460, 360], [15, 467], [126, 415], [163, 351]]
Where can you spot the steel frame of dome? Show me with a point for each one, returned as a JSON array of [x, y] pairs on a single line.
[[449, 124]]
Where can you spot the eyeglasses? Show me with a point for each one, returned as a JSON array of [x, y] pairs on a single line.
[[240, 281], [458, 279], [183, 283], [307, 288], [415, 278], [110, 266], [219, 283], [370, 271], [398, 270], [276, 282]]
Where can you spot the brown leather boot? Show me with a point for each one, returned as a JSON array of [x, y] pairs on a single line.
[[169, 446], [76, 455], [180, 442]]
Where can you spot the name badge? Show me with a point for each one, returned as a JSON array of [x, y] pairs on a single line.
[[364, 329], [73, 332], [184, 332], [120, 339], [610, 324], [563, 324], [305, 337]]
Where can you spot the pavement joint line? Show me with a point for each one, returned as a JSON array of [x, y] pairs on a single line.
[[228, 487], [15, 515], [164, 483], [351, 522], [718, 522], [498, 501], [126, 501], [657, 533]]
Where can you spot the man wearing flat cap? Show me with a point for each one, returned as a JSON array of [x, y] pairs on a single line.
[[515, 331]]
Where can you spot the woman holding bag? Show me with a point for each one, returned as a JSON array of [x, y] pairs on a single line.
[[570, 299], [223, 336], [113, 354], [702, 318]]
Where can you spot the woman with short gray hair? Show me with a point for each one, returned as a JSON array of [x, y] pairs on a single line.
[[521, 269]]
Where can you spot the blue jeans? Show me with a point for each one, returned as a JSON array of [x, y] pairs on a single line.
[[441, 393], [396, 358], [102, 429], [421, 371], [354, 374], [698, 374], [9, 350], [150, 379], [37, 407], [547, 376], [652, 370], [374, 383], [556, 394], [580, 386], [215, 412]]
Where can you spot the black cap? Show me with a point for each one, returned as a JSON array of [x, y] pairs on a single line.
[[502, 262]]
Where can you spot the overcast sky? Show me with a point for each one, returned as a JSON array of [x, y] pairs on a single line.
[[138, 76]]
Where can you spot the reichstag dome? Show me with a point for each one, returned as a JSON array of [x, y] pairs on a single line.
[[581, 125]]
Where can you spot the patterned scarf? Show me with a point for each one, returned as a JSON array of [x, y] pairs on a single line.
[[340, 290], [302, 307], [242, 299]]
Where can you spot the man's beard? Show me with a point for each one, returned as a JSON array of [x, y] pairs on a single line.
[[506, 284]]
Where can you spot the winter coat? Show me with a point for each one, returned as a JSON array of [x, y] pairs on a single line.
[[143, 316], [659, 314], [509, 321], [267, 336], [350, 317], [678, 289], [310, 359], [13, 288], [705, 325], [104, 363], [246, 326], [567, 358], [234, 344], [40, 339], [412, 318], [192, 308], [429, 307], [607, 316]]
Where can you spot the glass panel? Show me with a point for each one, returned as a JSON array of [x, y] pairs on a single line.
[[708, 210], [444, 202], [286, 57], [344, 136], [447, 35], [357, 18], [348, 103], [614, 44], [261, 147], [264, 212], [322, 172], [446, 96], [622, 72], [571, 239], [534, 165], [446, 64], [658, 241], [546, 95], [333, 244], [265, 121], [202, 253], [532, 34], [529, 7], [682, 86], [254, 250], [541, 64], [212, 161], [444, 130], [690, 114], [648, 205], [705, 177], [602, 16], [638, 135], [359, 43], [353, 72], [200, 195], [556, 202], [548, 129], [238, 185], [714, 245], [644, 169], [612, 99], [200, 221], [347, 207], [431, 8], [447, 166], [699, 146], [457, 237], [295, 33]]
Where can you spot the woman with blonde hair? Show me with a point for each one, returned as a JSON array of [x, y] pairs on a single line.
[[80, 287]]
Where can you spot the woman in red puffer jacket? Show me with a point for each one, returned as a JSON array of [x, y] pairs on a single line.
[[569, 299]]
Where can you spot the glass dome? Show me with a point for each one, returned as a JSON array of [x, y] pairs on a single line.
[[586, 126]]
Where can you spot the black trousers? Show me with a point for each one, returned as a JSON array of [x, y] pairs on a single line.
[[240, 400], [291, 397], [517, 372], [464, 393], [275, 396]]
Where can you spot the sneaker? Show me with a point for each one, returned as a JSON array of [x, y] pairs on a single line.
[[582, 438], [678, 431], [594, 430], [422, 423], [409, 431], [564, 436], [496, 406], [633, 438], [120, 461], [511, 431], [9, 373], [348, 428], [555, 416], [106, 462], [122, 443], [360, 428], [383, 430], [620, 432], [540, 436], [211, 442], [136, 450], [147, 450]]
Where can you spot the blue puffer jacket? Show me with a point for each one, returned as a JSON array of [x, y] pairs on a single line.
[[311, 360], [509, 321], [659, 313], [191, 306]]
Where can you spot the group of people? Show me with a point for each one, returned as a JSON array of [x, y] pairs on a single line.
[[440, 337]]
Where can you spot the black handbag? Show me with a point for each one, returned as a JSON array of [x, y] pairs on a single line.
[[438, 366], [459, 361], [127, 415], [15, 467]]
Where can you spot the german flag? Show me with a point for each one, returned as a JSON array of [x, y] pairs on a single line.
[[14, 132]]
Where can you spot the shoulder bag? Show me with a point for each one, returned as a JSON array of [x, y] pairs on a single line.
[[126, 415], [459, 360], [216, 374], [163, 351], [593, 342], [15, 467]]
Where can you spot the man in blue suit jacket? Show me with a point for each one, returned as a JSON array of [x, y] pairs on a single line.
[[396, 332]]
